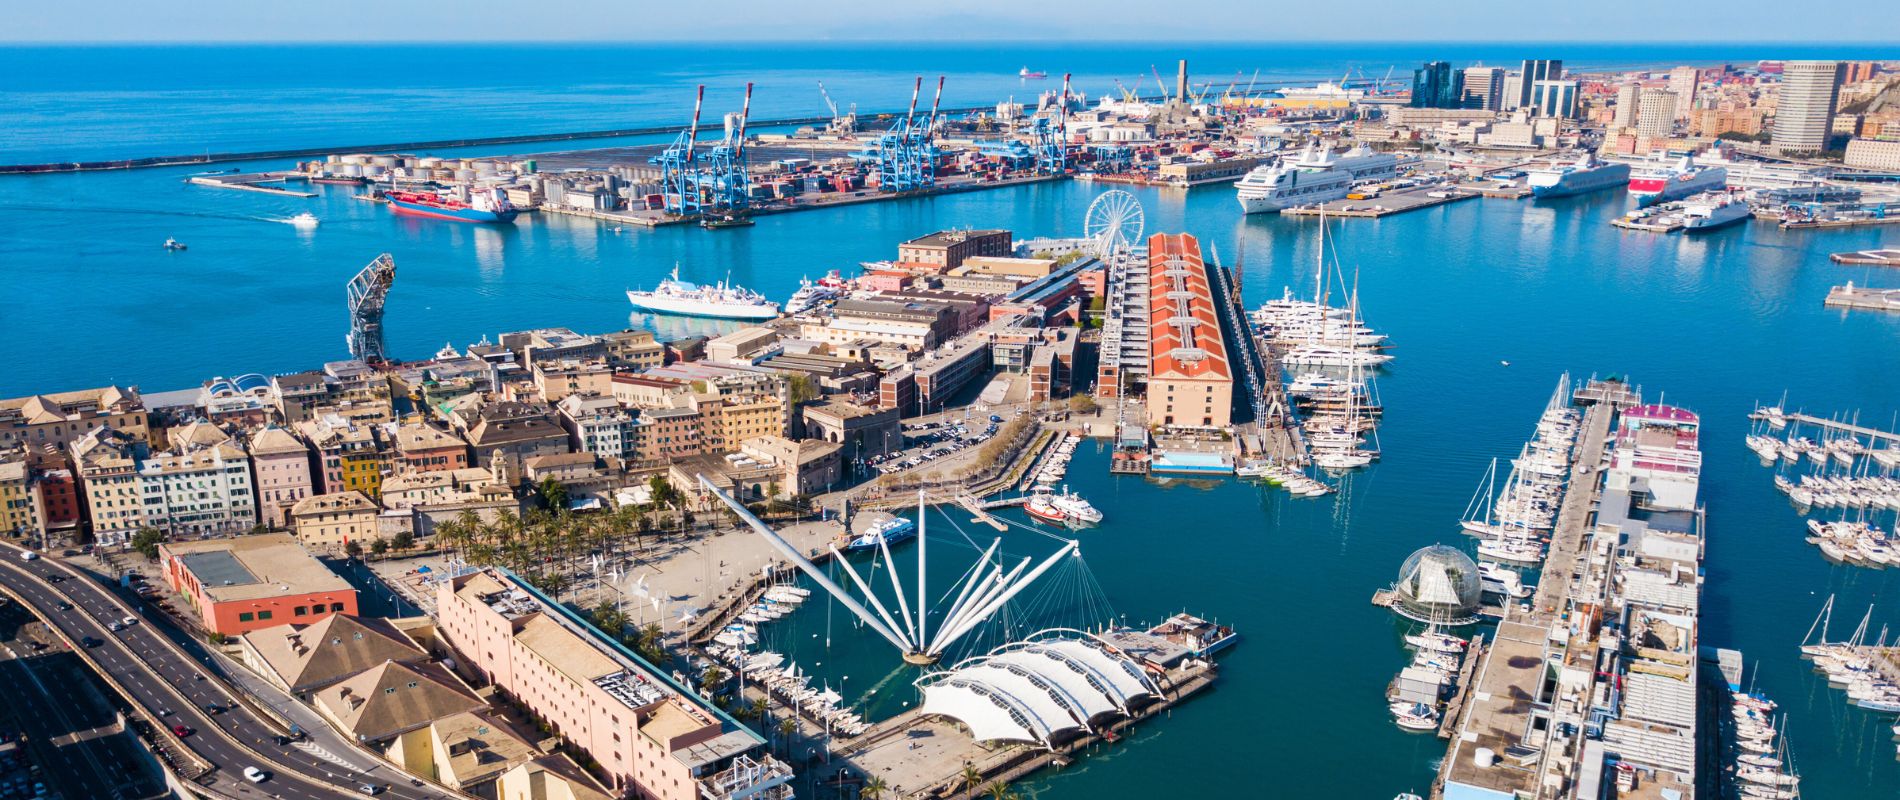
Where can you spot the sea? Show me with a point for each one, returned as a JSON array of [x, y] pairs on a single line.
[[1487, 303]]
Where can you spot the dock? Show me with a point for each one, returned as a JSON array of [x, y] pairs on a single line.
[[1665, 223], [979, 510], [1863, 298], [1573, 515], [249, 182], [1836, 426], [1461, 689], [1384, 205], [1874, 258]]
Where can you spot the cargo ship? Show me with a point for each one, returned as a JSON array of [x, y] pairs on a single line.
[[1683, 179], [1587, 175], [1025, 74], [483, 206]]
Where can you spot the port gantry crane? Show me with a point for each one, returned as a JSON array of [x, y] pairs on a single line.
[[727, 178], [906, 153], [1052, 136], [679, 169], [367, 292]]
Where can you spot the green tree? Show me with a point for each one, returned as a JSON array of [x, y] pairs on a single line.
[[1083, 404], [354, 549], [787, 727], [404, 540], [553, 493], [874, 787], [711, 679], [1001, 790], [379, 547], [610, 619], [972, 778], [146, 542]]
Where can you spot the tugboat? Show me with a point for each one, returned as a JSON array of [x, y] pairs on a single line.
[[726, 221], [174, 244]]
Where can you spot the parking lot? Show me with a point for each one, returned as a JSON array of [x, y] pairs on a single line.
[[927, 442]]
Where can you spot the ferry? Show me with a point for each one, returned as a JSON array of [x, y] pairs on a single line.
[[1685, 178], [891, 531], [1587, 175], [1200, 637], [1712, 210], [1315, 176], [721, 301], [483, 206]]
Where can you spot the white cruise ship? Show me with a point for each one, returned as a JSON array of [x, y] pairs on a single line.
[[1315, 176], [1684, 178], [675, 296]]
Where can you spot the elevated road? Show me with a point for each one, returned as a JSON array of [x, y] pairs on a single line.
[[165, 673]]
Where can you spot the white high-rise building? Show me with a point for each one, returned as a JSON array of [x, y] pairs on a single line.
[[1513, 87], [1804, 115], [1626, 99], [1655, 113]]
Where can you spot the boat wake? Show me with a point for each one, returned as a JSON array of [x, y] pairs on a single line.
[[148, 212]]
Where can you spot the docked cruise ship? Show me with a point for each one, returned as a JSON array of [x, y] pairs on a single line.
[[1315, 176], [1587, 175], [675, 296], [1684, 178]]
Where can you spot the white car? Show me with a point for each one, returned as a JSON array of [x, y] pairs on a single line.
[[255, 775], [28, 555], [127, 621]]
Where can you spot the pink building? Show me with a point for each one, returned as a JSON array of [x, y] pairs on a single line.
[[282, 462], [653, 738]]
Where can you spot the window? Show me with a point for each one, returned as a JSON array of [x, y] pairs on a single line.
[[245, 616], [299, 611], [336, 606]]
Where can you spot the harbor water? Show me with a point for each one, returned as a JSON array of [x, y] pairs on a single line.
[[1714, 323]]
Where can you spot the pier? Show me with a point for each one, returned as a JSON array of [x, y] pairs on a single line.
[[1876, 258], [1448, 722], [1383, 205], [1863, 298], [1573, 515], [249, 182], [1665, 223], [1837, 426]]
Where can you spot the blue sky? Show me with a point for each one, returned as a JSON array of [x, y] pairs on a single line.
[[1267, 21]]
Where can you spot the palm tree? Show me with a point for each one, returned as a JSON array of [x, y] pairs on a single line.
[[757, 709], [787, 727], [874, 787], [972, 778], [1001, 790]]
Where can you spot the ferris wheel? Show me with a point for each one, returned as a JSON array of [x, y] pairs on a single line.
[[1114, 221]]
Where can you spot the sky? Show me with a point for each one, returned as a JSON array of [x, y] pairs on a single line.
[[1266, 21]]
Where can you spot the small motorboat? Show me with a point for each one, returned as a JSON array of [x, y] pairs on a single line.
[[304, 220], [174, 244]]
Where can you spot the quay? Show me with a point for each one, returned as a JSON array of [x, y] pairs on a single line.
[[1667, 223], [655, 218], [1461, 688], [1384, 205], [250, 182], [1861, 297], [1573, 515], [1877, 258]]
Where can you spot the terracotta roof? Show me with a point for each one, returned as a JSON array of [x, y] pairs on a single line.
[[315, 655], [1184, 331], [392, 698]]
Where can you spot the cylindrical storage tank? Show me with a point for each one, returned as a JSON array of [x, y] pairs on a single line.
[[384, 161], [429, 163], [1484, 757], [333, 158], [374, 170], [356, 158], [465, 175], [353, 170]]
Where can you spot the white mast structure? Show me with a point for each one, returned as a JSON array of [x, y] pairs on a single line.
[[988, 588]]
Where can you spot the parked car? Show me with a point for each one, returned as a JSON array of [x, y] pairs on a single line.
[[255, 775]]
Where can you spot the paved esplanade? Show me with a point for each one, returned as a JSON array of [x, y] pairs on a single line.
[[1578, 503], [163, 670]]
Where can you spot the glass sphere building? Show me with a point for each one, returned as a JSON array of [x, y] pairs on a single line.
[[1438, 584]]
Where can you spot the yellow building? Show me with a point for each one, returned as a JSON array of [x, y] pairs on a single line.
[[331, 520], [19, 508]]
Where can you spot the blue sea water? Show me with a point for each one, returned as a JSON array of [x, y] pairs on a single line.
[[1715, 323]]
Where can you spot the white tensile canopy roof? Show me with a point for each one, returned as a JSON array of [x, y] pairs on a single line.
[[1033, 690]]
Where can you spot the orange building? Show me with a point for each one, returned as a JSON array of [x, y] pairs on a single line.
[[1189, 381], [247, 583]]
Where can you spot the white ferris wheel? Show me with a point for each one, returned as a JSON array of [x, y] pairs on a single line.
[[1114, 222]]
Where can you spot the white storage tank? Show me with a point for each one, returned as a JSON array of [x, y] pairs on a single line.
[[465, 175], [384, 161], [1484, 757]]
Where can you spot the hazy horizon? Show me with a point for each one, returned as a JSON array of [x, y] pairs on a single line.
[[972, 22]]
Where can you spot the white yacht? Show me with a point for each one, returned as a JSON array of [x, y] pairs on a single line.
[[1075, 508], [1315, 176]]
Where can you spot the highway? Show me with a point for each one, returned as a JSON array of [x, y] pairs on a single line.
[[165, 671]]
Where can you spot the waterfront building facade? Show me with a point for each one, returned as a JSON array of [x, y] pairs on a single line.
[[108, 461], [655, 739], [331, 521], [201, 486], [1483, 88], [62, 418], [246, 583], [1190, 382], [1555, 99]]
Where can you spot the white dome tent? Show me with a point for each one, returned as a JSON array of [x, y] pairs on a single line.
[[1055, 684]]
